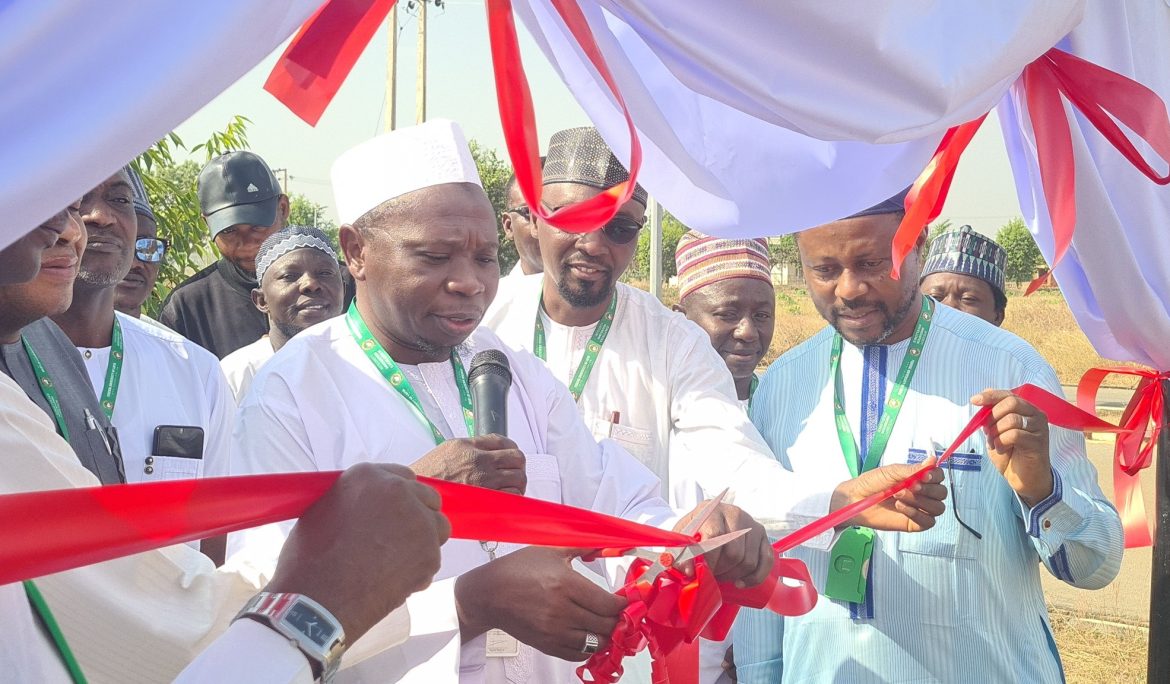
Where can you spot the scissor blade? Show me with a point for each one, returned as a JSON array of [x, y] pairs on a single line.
[[708, 545], [704, 514]]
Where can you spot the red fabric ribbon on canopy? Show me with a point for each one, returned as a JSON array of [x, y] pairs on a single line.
[[322, 53], [1102, 96], [325, 49], [519, 122], [1134, 449]]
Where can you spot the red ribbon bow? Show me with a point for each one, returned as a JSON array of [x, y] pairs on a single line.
[[1134, 449], [1099, 94]]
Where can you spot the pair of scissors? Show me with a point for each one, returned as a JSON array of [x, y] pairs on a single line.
[[671, 556]]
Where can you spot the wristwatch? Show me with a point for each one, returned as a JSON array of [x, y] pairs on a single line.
[[306, 624]]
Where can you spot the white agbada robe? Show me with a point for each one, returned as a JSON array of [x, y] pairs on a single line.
[[166, 380], [140, 618], [320, 404], [241, 366]]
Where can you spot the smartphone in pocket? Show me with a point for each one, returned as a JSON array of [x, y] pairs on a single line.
[[178, 441]]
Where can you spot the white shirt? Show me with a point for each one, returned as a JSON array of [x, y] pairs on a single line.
[[167, 380], [240, 366], [944, 605], [321, 405], [140, 618], [26, 652], [676, 405]]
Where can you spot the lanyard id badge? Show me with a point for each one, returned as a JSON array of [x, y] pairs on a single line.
[[850, 556]]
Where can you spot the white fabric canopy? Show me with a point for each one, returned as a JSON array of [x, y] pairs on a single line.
[[1116, 275], [723, 94], [87, 86]]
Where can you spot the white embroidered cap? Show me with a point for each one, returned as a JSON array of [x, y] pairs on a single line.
[[402, 161]]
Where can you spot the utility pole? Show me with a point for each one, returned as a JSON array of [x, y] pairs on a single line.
[[283, 179], [392, 71], [1158, 658], [420, 93], [655, 248]]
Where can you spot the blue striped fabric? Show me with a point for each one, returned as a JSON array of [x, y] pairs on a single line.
[[948, 606]]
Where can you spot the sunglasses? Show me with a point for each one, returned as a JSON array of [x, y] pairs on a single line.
[[620, 230], [150, 250]]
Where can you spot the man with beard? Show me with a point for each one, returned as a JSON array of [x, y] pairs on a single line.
[[725, 287], [149, 252], [143, 617], [165, 394], [962, 601], [387, 381], [242, 204], [45, 363], [300, 286]]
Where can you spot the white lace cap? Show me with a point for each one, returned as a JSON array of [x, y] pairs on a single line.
[[402, 161]]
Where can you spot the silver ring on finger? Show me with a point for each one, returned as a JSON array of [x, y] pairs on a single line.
[[592, 643], [1024, 426]]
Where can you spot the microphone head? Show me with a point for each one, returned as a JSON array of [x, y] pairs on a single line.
[[490, 362]]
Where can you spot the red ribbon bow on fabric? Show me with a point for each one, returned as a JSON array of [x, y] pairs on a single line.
[[1099, 94], [317, 61], [1134, 449]]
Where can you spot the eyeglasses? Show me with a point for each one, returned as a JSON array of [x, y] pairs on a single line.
[[620, 230], [150, 250], [521, 211]]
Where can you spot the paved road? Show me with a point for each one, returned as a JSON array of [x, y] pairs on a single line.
[[1127, 599], [1109, 398]]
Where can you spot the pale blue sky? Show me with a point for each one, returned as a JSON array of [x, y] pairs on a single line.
[[460, 87]]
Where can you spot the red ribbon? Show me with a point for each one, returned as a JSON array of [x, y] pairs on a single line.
[[927, 195], [58, 530], [52, 531], [323, 52], [519, 122], [1102, 96], [1134, 449]]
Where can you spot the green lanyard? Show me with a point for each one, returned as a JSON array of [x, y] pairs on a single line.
[[591, 350], [42, 608], [393, 374], [752, 389], [885, 427], [848, 572], [113, 371], [48, 389]]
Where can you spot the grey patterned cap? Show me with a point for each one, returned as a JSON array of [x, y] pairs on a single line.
[[579, 155], [141, 200], [967, 252], [288, 239]]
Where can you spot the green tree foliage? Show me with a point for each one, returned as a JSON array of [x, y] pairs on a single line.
[[783, 250], [494, 172], [934, 231], [1023, 256], [672, 231], [171, 185], [303, 211]]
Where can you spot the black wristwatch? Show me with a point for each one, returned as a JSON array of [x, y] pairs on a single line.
[[306, 624]]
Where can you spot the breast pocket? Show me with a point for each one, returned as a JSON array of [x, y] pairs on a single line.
[[956, 533], [177, 453], [639, 442]]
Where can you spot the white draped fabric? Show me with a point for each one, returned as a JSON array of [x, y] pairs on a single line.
[[90, 85], [724, 95], [1116, 275]]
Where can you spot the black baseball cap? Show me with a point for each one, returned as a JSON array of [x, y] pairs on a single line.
[[238, 188]]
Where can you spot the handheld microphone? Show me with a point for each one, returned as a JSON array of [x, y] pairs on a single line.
[[490, 379]]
